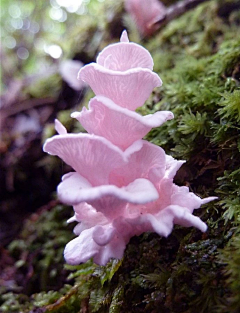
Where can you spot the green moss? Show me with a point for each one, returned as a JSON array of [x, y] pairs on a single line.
[[231, 107], [231, 257]]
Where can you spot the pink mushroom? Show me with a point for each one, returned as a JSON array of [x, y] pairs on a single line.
[[121, 185], [145, 13]]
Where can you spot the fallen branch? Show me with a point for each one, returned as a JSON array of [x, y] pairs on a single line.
[[176, 10]]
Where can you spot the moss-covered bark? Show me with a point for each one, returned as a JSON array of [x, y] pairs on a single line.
[[198, 58]]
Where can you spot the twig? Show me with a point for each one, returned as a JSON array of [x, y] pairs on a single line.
[[26, 105], [176, 10], [23, 106], [14, 92]]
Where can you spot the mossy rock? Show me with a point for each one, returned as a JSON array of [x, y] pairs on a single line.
[[198, 58]]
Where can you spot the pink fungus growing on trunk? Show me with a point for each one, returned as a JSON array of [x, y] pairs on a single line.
[[121, 185]]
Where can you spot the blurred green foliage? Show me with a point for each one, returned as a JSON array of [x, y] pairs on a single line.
[[37, 36]]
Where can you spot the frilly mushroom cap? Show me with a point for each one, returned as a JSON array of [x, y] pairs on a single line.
[[108, 199], [92, 157], [123, 73], [84, 247], [128, 89], [125, 55], [119, 125]]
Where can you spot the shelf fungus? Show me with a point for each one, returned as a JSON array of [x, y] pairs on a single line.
[[121, 185]]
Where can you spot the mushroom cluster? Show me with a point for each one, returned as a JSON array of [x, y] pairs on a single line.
[[121, 185]]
